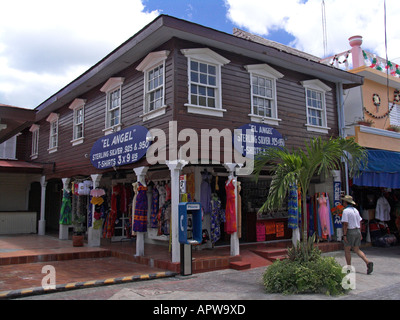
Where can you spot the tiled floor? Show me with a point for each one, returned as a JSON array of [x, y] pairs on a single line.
[[22, 258]]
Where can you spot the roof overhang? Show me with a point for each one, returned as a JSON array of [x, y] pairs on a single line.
[[13, 120], [377, 76], [164, 28]]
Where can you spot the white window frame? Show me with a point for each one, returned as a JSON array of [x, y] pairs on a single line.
[[319, 87], [76, 106], [209, 57], [112, 85], [152, 61], [394, 115], [270, 74], [8, 148], [35, 141], [53, 136]]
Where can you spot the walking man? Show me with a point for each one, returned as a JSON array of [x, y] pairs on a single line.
[[351, 232]]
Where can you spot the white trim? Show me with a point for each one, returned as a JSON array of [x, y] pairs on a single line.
[[316, 84], [153, 113], [75, 106], [152, 60], [207, 111], [112, 129], [111, 84], [264, 70], [53, 119], [267, 120], [380, 132], [318, 129], [206, 55], [77, 103]]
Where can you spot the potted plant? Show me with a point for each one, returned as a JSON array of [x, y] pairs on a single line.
[[394, 128], [79, 230], [365, 122]]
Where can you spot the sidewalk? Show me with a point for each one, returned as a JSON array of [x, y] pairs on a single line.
[[22, 258]]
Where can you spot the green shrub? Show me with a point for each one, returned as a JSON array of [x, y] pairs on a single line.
[[321, 275]]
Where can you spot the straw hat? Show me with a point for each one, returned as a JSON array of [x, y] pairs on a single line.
[[348, 199]]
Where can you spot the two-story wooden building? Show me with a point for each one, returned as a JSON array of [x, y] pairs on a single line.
[[163, 106]]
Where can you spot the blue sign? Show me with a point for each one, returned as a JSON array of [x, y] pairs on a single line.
[[123, 147], [253, 138]]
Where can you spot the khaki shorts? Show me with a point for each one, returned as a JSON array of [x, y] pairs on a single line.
[[353, 238]]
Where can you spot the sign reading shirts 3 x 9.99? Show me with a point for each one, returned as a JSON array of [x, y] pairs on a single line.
[[123, 147], [252, 138]]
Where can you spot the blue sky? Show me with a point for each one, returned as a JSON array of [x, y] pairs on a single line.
[[45, 44]]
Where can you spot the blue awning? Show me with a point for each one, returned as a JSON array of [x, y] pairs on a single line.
[[382, 170]]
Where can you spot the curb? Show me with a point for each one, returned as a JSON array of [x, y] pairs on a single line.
[[13, 294]]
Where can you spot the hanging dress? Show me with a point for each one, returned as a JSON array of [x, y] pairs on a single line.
[[154, 208], [205, 189], [323, 212], [217, 217], [66, 210], [140, 223], [109, 227], [230, 211]]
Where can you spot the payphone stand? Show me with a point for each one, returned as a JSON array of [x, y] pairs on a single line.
[[189, 233]]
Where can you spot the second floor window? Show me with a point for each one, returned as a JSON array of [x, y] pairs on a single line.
[[155, 88], [263, 93], [35, 141], [113, 90], [316, 105], [114, 108], [78, 107], [53, 138]]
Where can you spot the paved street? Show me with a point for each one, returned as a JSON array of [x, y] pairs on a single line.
[[383, 283]]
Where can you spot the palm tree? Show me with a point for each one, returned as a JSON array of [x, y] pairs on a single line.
[[299, 166]]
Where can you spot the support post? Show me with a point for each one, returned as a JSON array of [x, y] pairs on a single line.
[[42, 221], [94, 235], [175, 166], [141, 177]]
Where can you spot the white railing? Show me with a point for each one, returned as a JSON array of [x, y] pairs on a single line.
[[343, 61]]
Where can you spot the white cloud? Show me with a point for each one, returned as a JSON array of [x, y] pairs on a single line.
[[45, 44], [303, 20]]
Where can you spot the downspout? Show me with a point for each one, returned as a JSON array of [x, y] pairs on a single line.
[[341, 124]]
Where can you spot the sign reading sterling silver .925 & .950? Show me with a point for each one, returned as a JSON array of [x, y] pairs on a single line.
[[120, 148]]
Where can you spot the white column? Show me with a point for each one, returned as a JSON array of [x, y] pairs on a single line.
[[141, 177], [63, 229], [234, 236], [175, 166], [42, 221], [94, 235]]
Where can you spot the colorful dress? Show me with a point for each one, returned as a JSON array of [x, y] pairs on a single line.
[[140, 223], [109, 227], [230, 211], [293, 207], [217, 217], [324, 216], [154, 208], [66, 210]]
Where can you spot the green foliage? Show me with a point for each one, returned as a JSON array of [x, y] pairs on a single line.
[[321, 275], [304, 251]]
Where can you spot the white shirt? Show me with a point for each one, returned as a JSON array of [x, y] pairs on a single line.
[[352, 217], [382, 211]]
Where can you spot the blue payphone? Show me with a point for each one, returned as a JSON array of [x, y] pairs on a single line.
[[190, 223], [190, 232]]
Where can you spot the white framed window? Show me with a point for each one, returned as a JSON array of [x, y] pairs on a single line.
[[316, 105], [204, 81], [263, 93], [78, 107], [153, 67], [113, 90], [8, 149], [53, 138], [394, 115], [35, 141]]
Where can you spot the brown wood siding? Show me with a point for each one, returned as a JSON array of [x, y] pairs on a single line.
[[74, 160]]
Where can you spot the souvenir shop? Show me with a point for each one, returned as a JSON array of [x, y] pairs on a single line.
[[120, 206], [377, 195]]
